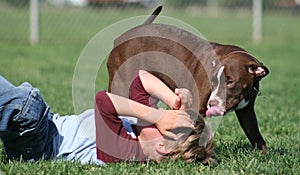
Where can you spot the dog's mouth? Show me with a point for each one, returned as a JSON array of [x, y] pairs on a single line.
[[220, 111], [214, 111]]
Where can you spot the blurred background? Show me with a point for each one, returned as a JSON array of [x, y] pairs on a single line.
[[76, 21]]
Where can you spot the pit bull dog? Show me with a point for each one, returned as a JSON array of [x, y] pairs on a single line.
[[222, 78]]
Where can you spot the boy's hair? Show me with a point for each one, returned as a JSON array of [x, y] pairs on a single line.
[[192, 145]]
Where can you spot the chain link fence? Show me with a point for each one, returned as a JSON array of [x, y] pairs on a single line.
[[76, 21]]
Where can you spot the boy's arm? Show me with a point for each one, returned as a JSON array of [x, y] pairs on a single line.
[[181, 99], [164, 120]]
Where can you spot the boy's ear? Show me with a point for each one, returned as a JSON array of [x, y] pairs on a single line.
[[162, 149]]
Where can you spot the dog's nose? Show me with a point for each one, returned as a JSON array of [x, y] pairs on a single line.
[[213, 102]]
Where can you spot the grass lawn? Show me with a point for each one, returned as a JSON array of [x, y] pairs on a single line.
[[50, 67]]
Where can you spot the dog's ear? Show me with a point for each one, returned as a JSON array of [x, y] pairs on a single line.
[[258, 69]]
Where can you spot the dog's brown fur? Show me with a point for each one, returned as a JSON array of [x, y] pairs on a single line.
[[153, 47]]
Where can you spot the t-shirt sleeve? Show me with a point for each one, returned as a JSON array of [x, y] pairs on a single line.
[[138, 93]]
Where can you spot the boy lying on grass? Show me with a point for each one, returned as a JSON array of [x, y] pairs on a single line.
[[29, 130]]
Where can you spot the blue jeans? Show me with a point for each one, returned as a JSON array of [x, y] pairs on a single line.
[[26, 126]]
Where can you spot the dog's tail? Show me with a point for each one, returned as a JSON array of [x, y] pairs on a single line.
[[153, 15]]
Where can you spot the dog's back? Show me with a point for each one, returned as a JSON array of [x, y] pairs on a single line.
[[176, 56]]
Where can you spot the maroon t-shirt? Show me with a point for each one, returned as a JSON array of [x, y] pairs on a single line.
[[113, 142]]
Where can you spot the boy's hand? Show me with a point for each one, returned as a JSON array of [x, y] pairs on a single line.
[[172, 119], [184, 99]]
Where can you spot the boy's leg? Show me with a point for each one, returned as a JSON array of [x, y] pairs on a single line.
[[25, 126], [5, 85]]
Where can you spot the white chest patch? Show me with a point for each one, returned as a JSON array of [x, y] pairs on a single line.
[[214, 93]]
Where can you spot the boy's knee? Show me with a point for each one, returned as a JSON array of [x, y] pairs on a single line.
[[24, 124]]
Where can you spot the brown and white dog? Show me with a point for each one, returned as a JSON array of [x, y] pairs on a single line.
[[222, 78]]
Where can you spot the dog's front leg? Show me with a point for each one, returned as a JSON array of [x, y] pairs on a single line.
[[248, 121]]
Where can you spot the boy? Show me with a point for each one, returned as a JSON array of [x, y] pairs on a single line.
[[29, 131]]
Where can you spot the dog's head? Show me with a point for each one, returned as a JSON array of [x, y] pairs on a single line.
[[233, 82]]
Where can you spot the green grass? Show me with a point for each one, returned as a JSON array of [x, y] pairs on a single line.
[[50, 66]]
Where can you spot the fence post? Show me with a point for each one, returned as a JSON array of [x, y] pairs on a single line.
[[34, 22], [212, 6], [257, 21]]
